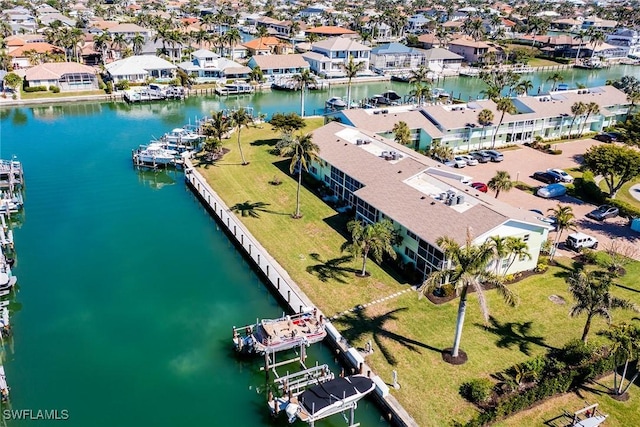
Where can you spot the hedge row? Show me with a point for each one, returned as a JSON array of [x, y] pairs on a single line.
[[35, 89]]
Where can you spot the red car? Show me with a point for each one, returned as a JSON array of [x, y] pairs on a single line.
[[480, 186]]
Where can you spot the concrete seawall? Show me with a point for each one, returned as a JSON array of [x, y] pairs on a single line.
[[289, 292]]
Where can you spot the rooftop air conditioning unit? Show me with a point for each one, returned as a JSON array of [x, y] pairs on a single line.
[[367, 141], [359, 142]]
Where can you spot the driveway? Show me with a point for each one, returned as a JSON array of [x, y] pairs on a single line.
[[524, 161]]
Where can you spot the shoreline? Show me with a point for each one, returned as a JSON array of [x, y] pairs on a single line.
[[288, 291]]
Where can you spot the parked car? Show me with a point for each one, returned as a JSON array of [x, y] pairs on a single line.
[[603, 212], [561, 175], [481, 156], [545, 177], [552, 190], [459, 162], [480, 186], [606, 137], [469, 159], [495, 156], [446, 162], [577, 241]]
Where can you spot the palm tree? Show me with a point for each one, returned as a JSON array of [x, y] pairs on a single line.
[[518, 249], [500, 250], [101, 43], [485, 118], [218, 126], [262, 31], [474, 28], [443, 37], [419, 75], [596, 39], [634, 98], [118, 42], [523, 87], [590, 290], [577, 109], [466, 267], [351, 70], [580, 38], [302, 82], [500, 182], [555, 77], [136, 43], [302, 151], [626, 340], [232, 37], [402, 133], [420, 91], [592, 108], [564, 221], [506, 106], [241, 118], [375, 238]]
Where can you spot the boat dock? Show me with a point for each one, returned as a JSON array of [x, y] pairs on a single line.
[[154, 93]]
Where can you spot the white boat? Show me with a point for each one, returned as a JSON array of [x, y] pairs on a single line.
[[440, 93], [4, 388], [154, 153], [329, 398], [235, 88], [335, 103], [284, 333], [182, 136]]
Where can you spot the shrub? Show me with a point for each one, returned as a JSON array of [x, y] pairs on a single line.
[[477, 390], [555, 152], [35, 89], [541, 267], [447, 290], [122, 85], [586, 189], [54, 89], [109, 87], [626, 210], [589, 256]]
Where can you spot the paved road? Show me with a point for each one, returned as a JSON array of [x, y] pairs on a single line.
[[524, 161]]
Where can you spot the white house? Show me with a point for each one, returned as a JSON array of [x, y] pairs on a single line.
[[627, 39], [206, 66], [68, 76], [328, 57], [141, 68], [275, 67]]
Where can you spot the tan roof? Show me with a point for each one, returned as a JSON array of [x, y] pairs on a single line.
[[379, 123], [40, 47], [19, 40], [127, 28], [105, 25], [341, 43], [468, 43], [326, 29], [55, 70], [267, 62], [385, 189], [265, 43]]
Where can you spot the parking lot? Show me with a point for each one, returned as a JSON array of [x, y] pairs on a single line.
[[524, 161]]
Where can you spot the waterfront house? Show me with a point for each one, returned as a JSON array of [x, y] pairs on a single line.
[[275, 67], [472, 51], [396, 57], [20, 20], [68, 76], [23, 54], [331, 31], [424, 200], [140, 69], [268, 46], [626, 38], [275, 27], [328, 57], [128, 31], [417, 22], [49, 18], [598, 23], [206, 66]]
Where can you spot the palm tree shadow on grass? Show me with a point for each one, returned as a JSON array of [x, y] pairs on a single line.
[[332, 269], [261, 142], [358, 324], [253, 209], [514, 334]]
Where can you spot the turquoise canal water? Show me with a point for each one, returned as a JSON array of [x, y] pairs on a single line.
[[127, 289]]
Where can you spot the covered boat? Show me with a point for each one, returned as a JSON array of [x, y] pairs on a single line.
[[284, 333], [336, 103], [329, 398]]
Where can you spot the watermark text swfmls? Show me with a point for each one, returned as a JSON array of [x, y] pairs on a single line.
[[35, 414]]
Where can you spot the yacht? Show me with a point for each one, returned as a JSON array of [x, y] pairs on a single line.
[[154, 153], [284, 333], [440, 93], [182, 136], [236, 88], [335, 103], [329, 398]]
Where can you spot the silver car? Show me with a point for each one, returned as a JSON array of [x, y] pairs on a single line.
[[470, 160]]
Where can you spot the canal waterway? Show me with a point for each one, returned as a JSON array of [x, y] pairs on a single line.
[[127, 289]]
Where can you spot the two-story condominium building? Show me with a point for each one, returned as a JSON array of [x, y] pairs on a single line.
[[381, 179], [206, 66], [470, 50], [456, 126], [396, 57], [328, 57], [627, 39]]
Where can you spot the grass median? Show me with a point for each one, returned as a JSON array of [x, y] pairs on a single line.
[[407, 333]]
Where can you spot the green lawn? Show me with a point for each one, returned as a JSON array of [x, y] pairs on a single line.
[[407, 333], [623, 194], [539, 62], [47, 94]]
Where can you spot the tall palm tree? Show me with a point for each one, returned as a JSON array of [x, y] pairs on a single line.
[[443, 37], [402, 133], [375, 238], [577, 109], [101, 43], [596, 39], [466, 268], [592, 108], [302, 151], [419, 75], [500, 250], [232, 37], [555, 77], [626, 341], [590, 290], [564, 221], [500, 182], [262, 31], [241, 118], [523, 87], [218, 126], [302, 82], [580, 37], [634, 98], [474, 28], [118, 43], [518, 249], [505, 105], [351, 70], [136, 43], [485, 118], [420, 91]]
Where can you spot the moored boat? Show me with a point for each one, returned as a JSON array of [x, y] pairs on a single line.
[[182, 136], [236, 88], [335, 103], [440, 93], [284, 333], [329, 398], [154, 153]]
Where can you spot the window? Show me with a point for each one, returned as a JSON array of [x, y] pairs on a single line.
[[526, 237], [412, 235], [314, 170]]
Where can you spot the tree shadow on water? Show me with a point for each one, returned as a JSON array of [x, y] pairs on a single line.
[[358, 323], [514, 334], [332, 269]]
